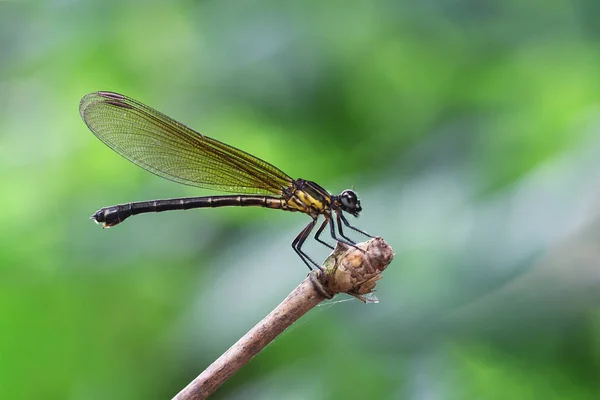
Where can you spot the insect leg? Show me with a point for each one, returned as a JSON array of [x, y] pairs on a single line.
[[299, 241]]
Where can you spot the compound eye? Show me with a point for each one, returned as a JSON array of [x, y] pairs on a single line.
[[349, 199]]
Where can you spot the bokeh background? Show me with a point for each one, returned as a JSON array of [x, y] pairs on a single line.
[[469, 129]]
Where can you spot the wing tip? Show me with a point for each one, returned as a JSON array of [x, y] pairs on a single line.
[[112, 98]]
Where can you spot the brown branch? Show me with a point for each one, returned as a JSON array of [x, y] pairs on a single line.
[[347, 269]]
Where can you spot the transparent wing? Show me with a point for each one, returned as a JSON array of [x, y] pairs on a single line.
[[169, 149]]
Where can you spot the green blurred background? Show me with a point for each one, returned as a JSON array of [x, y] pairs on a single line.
[[469, 129]]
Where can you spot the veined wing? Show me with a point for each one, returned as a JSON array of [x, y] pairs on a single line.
[[167, 148]]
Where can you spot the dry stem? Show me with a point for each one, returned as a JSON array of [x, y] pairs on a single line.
[[347, 270]]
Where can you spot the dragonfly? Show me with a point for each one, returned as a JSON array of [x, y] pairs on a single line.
[[169, 149]]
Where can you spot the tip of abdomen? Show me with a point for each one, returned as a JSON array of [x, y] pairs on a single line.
[[107, 217]]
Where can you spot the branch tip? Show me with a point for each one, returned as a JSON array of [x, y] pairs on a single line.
[[352, 270]]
